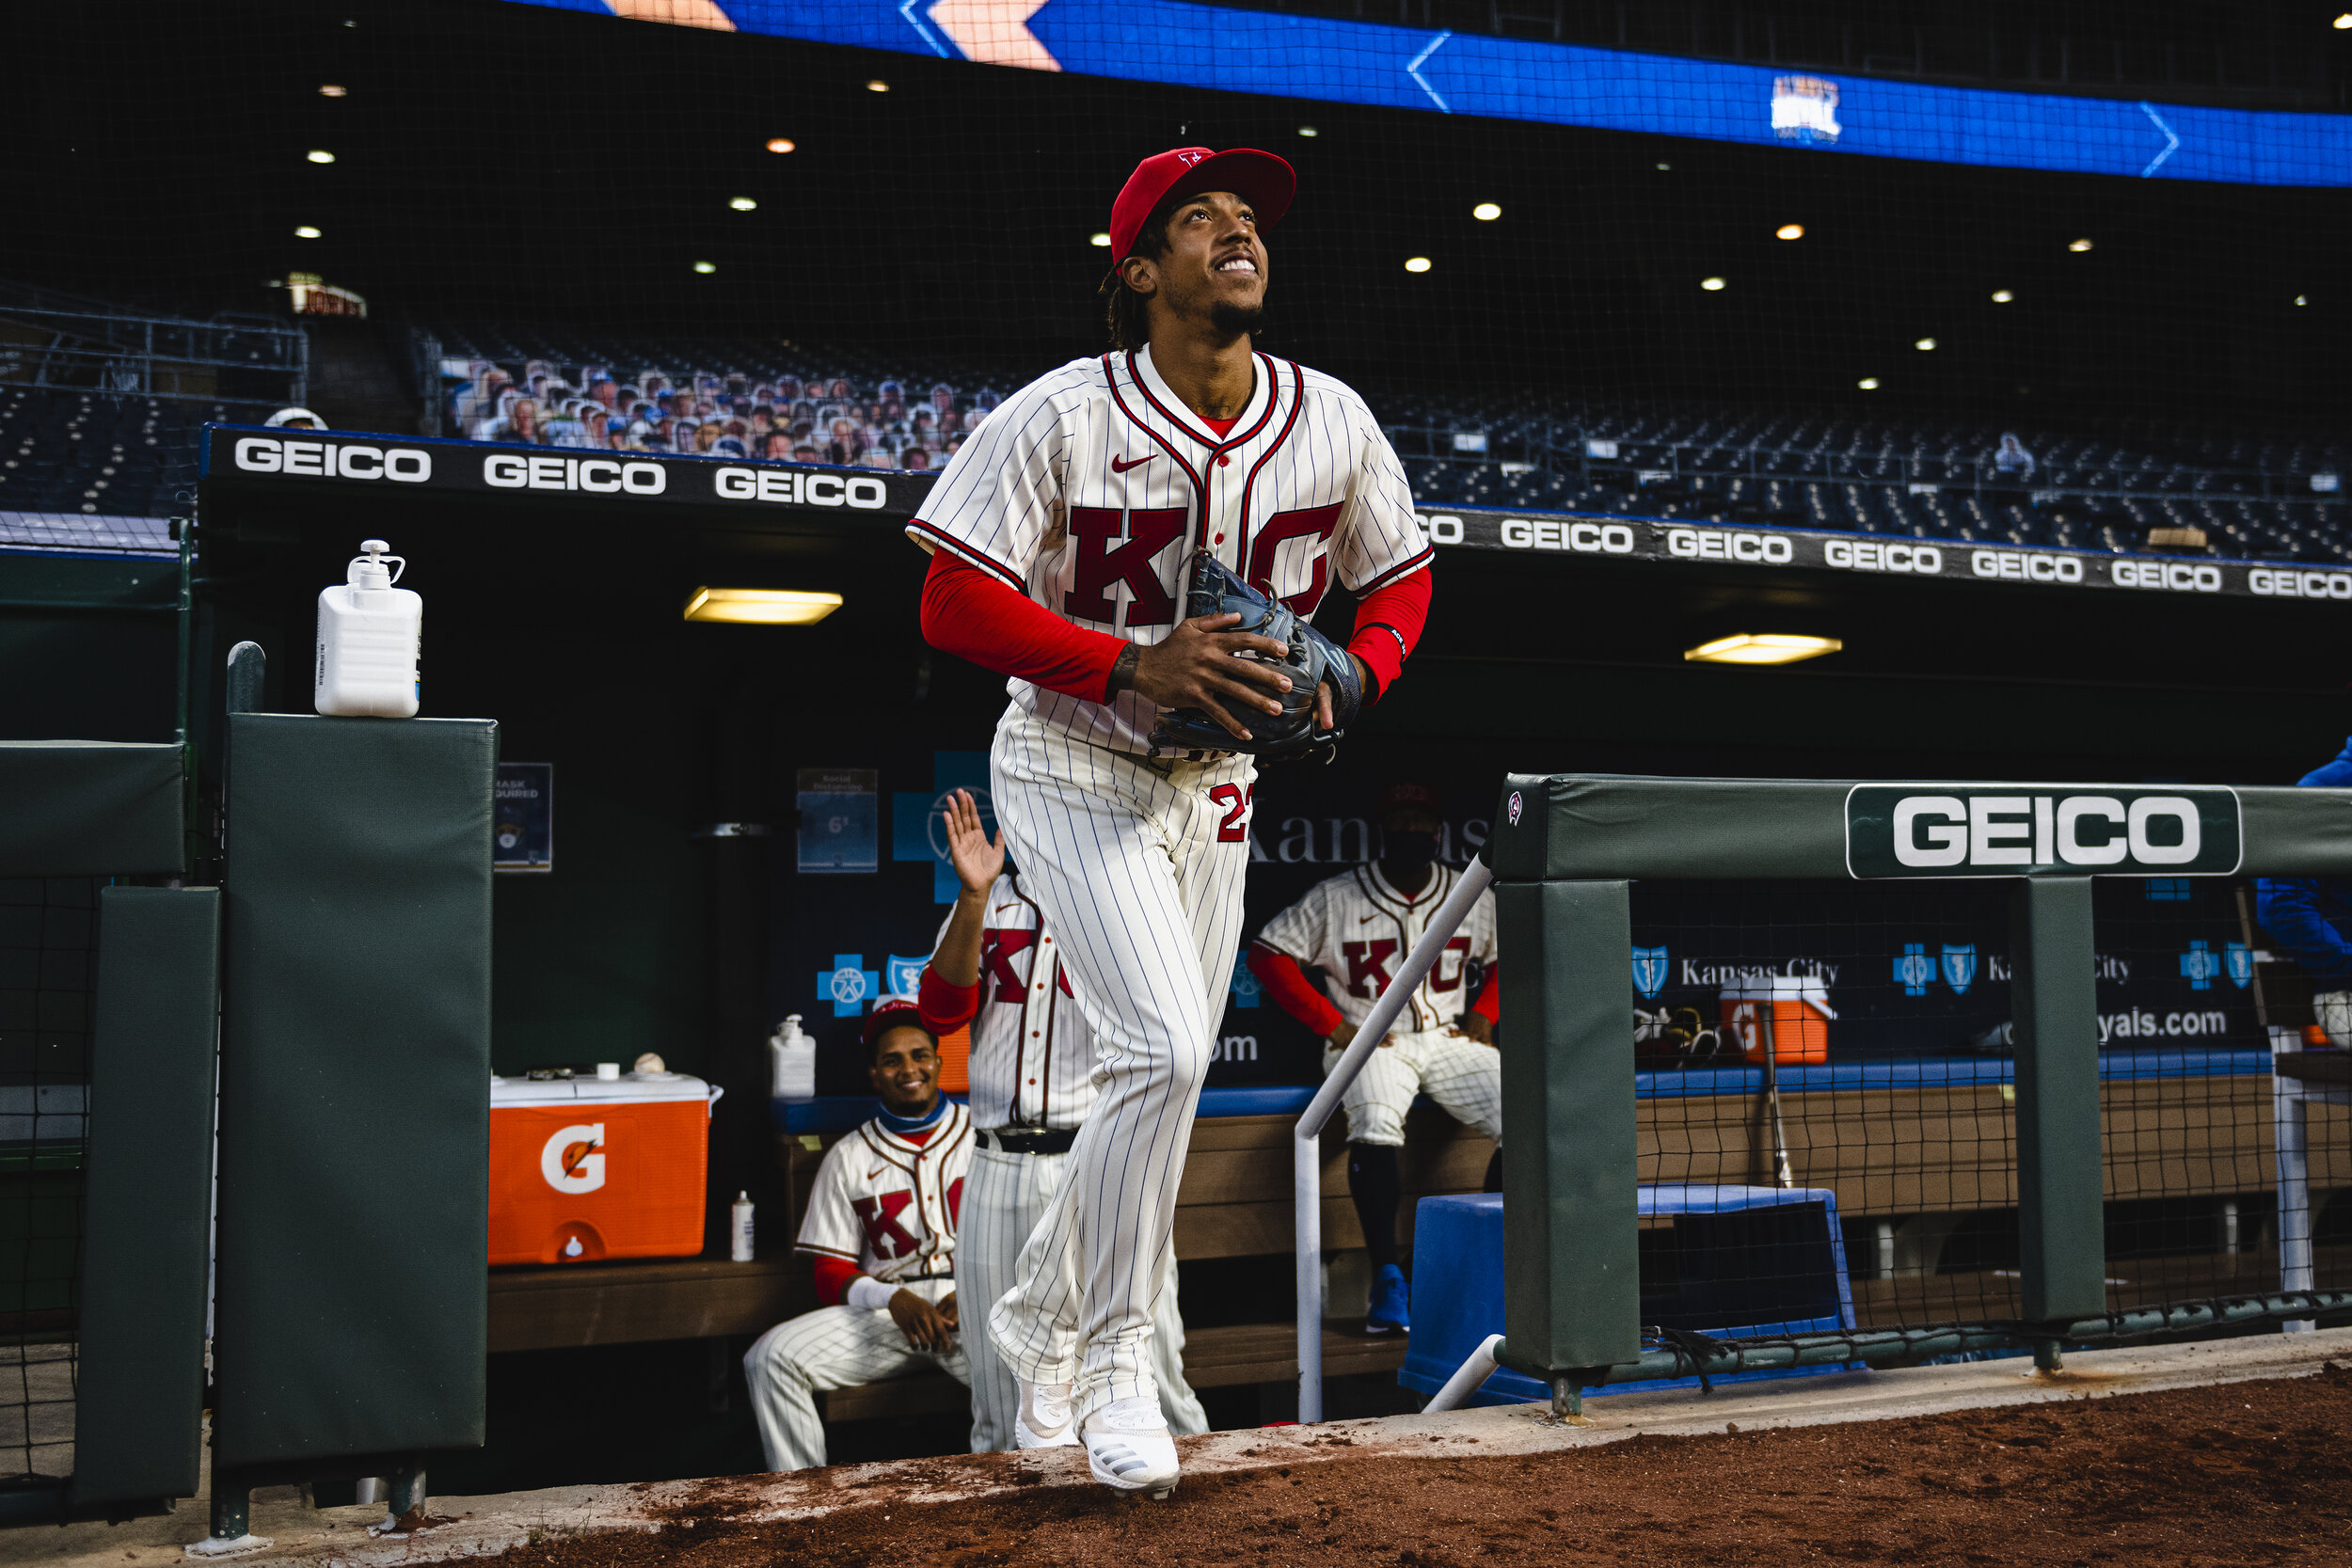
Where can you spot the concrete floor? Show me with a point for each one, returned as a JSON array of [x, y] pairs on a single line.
[[469, 1527]]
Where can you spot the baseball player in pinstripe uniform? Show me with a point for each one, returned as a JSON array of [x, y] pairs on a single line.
[[1356, 928], [998, 966], [1058, 538], [881, 1230]]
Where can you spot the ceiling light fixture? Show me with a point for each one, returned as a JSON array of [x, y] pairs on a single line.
[[1486, 212], [1762, 649], [1789, 232], [1416, 264], [877, 85], [704, 266], [744, 204], [1924, 345], [2343, 24], [1308, 132], [761, 606], [2302, 299], [320, 156], [1663, 168], [1712, 285], [1099, 241], [1868, 383], [331, 90], [2078, 246], [781, 144], [306, 232], [2002, 297]]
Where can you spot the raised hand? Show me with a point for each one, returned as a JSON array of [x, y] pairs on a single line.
[[977, 862]]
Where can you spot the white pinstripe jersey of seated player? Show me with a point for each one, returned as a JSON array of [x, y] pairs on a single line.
[[1357, 930], [888, 1205]]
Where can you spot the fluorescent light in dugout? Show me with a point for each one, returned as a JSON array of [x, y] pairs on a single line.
[[1762, 649], [761, 606]]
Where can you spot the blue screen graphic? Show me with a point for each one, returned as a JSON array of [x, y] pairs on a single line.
[[1352, 62]]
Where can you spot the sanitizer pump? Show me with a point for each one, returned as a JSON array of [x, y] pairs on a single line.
[[792, 1062], [368, 635]]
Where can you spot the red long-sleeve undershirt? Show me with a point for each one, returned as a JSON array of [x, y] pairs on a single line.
[[975, 616], [943, 1004], [1298, 996]]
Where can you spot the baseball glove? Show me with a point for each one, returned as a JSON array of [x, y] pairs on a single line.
[[1315, 660]]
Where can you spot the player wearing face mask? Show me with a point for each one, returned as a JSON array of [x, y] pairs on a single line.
[[1355, 928]]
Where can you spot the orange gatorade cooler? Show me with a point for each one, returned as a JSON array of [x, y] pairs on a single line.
[[1799, 1014], [584, 1168]]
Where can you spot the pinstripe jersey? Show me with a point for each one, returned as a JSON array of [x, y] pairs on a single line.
[[1032, 1055], [888, 1205], [1357, 930], [1086, 489]]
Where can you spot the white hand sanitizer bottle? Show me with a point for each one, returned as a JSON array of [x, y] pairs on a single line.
[[740, 1229], [368, 635], [791, 1062]]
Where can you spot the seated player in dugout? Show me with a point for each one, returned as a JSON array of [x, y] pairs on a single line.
[[1357, 927], [998, 966], [2310, 919], [881, 1230]]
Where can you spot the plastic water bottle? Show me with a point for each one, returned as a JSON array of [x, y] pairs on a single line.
[[368, 635], [791, 1062], [740, 1231]]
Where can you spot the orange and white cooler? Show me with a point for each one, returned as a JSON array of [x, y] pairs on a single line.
[[1799, 1010], [589, 1168]]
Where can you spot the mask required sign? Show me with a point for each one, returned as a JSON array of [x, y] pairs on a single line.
[[1951, 830]]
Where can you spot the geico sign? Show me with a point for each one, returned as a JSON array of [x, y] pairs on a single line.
[[1700, 544], [2007, 830], [2178, 576], [1869, 555], [1560, 533], [2274, 583], [599, 476], [799, 489], [275, 454], [2025, 565]]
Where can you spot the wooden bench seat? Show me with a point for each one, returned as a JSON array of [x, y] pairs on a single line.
[[1214, 1358]]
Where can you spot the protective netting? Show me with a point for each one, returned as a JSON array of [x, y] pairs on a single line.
[[1873, 1159], [1568, 280], [48, 953]]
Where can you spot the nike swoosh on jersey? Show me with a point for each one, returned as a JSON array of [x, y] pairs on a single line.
[[1120, 465]]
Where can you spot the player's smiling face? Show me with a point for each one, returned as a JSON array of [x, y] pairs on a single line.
[[906, 1070], [1214, 267]]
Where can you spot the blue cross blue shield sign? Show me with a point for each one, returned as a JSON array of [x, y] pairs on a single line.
[[1649, 969], [1960, 966]]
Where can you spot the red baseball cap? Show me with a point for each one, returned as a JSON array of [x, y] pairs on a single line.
[[898, 1012], [1261, 179], [1405, 797]]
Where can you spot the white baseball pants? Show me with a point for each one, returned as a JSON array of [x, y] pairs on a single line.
[[833, 1346], [1138, 865], [1464, 1077], [1004, 1198]]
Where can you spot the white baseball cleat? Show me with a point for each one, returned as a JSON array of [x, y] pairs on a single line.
[[1042, 1418], [1128, 1447]]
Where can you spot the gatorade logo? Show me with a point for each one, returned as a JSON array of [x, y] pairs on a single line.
[[572, 1159]]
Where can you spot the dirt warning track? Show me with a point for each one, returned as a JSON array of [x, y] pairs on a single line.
[[2243, 1473]]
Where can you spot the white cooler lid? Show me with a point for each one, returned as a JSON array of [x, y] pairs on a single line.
[[1784, 987], [630, 1088]]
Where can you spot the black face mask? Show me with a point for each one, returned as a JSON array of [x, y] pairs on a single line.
[[1409, 847]]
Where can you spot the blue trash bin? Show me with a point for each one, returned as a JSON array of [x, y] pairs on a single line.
[[1737, 1262]]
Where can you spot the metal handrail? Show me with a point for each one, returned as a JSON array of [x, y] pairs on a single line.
[[1306, 1138]]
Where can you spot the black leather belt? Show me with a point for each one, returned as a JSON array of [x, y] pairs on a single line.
[[1028, 1140]]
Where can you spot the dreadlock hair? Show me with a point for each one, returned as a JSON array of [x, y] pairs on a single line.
[[1126, 314]]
